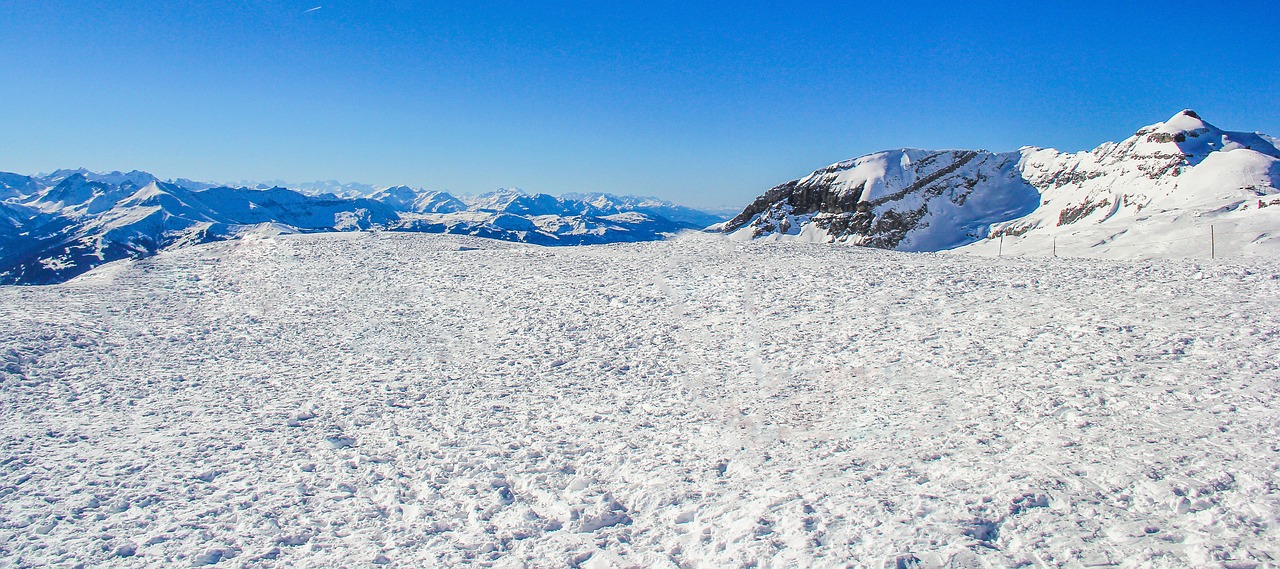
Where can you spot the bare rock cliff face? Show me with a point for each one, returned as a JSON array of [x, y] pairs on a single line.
[[901, 199]]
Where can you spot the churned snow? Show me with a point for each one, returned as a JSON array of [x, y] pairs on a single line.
[[427, 400]]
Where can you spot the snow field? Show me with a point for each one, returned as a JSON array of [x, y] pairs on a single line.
[[428, 400]]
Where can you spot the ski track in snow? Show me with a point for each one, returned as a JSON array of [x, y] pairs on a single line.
[[425, 400]]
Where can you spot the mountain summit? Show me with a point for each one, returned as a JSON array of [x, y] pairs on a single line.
[[1157, 192]]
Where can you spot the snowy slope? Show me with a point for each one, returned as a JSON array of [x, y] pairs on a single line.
[[78, 196], [81, 220], [16, 186], [71, 238], [1154, 194], [426, 400], [12, 219], [912, 200]]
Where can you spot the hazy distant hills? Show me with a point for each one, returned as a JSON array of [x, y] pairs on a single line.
[[56, 226], [1156, 193]]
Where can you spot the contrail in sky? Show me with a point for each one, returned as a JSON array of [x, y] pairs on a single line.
[[312, 10]]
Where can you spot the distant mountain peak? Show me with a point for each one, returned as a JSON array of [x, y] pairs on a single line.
[[419, 200], [1185, 120], [63, 173], [1186, 124], [56, 226], [1186, 137]]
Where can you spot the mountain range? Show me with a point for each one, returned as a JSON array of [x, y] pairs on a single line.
[[56, 226], [1179, 188]]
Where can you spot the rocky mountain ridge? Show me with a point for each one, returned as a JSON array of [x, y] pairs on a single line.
[[1168, 182]]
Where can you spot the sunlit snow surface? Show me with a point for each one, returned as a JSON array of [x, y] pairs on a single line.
[[425, 400]]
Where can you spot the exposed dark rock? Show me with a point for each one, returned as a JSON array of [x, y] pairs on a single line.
[[1073, 214], [845, 211]]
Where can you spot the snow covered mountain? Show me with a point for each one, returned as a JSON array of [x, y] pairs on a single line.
[[16, 186], [512, 215], [1155, 193], [83, 220], [515, 201], [1160, 192], [316, 188], [404, 198], [913, 200], [56, 226], [650, 205]]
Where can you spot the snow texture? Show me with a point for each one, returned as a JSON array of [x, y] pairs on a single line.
[[355, 399]]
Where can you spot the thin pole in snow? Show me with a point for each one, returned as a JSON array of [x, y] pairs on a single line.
[[1000, 251], [1213, 245], [1055, 246]]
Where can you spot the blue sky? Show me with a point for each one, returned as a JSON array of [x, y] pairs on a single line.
[[704, 103]]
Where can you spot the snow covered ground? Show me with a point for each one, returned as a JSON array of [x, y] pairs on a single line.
[[424, 400]]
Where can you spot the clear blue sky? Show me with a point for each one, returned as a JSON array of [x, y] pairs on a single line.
[[704, 103]]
